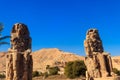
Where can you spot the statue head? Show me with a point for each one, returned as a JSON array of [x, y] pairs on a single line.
[[20, 39]]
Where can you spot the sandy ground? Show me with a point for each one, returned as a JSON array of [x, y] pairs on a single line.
[[55, 77]]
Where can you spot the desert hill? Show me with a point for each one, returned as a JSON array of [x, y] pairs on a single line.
[[116, 62], [52, 57]]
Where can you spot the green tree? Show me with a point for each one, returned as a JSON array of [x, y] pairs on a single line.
[[45, 75], [2, 75], [69, 70], [2, 37], [116, 71], [35, 74], [47, 67], [53, 70], [75, 69]]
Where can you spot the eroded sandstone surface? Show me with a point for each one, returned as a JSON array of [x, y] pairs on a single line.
[[19, 62], [98, 62]]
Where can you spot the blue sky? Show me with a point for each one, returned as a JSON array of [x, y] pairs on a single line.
[[63, 23]]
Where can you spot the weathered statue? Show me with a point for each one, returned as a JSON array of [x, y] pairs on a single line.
[[98, 62], [19, 62]]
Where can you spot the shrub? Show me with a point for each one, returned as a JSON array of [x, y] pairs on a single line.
[[75, 69], [116, 71], [53, 70], [45, 74], [2, 75], [48, 66], [35, 74]]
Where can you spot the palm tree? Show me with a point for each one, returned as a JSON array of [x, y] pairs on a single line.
[[3, 37]]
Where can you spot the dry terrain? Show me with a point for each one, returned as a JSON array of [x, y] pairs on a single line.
[[56, 77]]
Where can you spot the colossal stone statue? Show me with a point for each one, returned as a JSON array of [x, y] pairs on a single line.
[[19, 62], [98, 62]]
